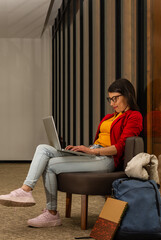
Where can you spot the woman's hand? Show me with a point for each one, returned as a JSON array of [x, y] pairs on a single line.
[[107, 151], [80, 148]]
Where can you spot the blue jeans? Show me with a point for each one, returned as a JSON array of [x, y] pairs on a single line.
[[48, 162]]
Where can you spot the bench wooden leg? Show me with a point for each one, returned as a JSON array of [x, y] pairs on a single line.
[[84, 211], [68, 205]]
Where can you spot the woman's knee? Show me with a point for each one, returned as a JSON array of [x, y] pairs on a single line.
[[42, 147], [46, 149]]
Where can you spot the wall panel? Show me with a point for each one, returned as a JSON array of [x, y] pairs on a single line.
[[96, 64], [77, 89], [128, 40], [25, 95], [110, 32], [100, 46], [86, 71]]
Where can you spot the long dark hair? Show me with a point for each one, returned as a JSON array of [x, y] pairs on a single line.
[[125, 88]]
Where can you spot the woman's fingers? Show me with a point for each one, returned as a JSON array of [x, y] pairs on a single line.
[[69, 147]]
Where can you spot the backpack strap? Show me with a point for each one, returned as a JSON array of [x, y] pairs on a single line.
[[158, 200]]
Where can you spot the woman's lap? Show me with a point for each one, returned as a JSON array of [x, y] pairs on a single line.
[[73, 163]]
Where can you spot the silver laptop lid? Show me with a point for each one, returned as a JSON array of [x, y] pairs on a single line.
[[51, 132]]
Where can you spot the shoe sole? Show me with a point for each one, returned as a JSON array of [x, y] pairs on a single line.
[[10, 203], [50, 224]]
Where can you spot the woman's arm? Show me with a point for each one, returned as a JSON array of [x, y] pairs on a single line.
[[107, 151], [132, 127], [111, 150]]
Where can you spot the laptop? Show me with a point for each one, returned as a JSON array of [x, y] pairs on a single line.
[[53, 138]]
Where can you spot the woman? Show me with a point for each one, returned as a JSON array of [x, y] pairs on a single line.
[[108, 150]]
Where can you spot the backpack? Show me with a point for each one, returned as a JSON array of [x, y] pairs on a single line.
[[142, 220]]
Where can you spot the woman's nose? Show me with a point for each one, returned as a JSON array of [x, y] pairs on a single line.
[[111, 103]]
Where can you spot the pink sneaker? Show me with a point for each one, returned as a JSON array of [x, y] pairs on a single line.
[[17, 198], [46, 219]]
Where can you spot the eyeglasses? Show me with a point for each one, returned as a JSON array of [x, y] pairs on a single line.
[[113, 99]]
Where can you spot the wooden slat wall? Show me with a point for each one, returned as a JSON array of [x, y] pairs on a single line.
[[88, 50], [156, 73]]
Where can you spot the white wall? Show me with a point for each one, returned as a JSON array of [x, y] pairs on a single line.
[[25, 95]]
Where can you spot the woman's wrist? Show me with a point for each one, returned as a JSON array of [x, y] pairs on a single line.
[[96, 151]]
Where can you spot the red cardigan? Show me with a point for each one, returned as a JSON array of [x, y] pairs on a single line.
[[126, 125]]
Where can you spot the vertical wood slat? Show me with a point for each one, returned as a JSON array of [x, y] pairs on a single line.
[[110, 52], [71, 74], [96, 65], [134, 44], [68, 100], [56, 80], [149, 78], [86, 71], [64, 84], [78, 81], [102, 59], [59, 82], [141, 55], [81, 76], [90, 72], [118, 38], [74, 73], [53, 74], [128, 39], [66, 79]]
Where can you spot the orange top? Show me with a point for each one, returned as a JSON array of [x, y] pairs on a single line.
[[104, 135]]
